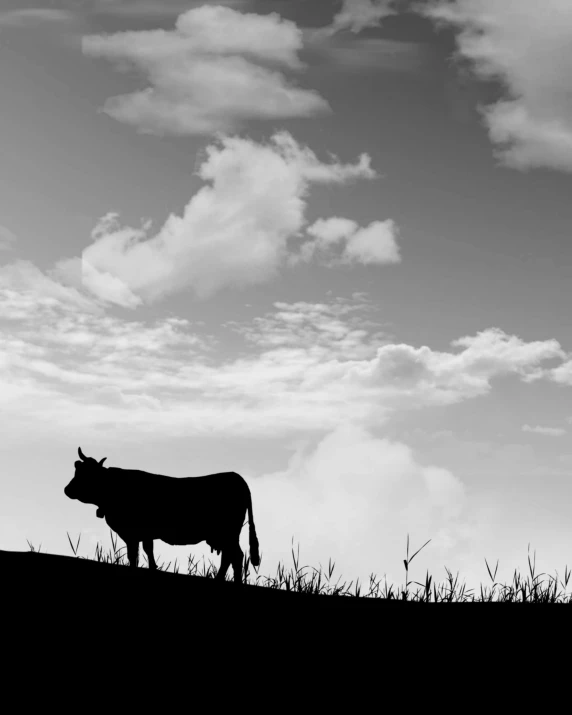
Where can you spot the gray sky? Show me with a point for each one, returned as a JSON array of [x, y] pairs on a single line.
[[323, 244]]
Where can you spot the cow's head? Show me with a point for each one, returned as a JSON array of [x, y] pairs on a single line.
[[87, 484]]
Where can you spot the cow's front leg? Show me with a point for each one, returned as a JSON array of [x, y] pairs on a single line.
[[133, 553], [148, 547]]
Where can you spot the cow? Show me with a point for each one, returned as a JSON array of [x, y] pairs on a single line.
[[140, 506]]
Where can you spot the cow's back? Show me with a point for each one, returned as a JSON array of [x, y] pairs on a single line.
[[208, 501]]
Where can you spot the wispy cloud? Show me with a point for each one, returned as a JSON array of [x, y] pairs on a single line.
[[356, 15], [156, 8], [306, 368], [340, 329], [547, 431], [33, 16], [25, 290], [236, 231], [359, 53], [209, 74], [525, 46], [342, 43], [7, 238]]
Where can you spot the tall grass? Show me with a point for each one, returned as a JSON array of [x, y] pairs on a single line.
[[308, 579]]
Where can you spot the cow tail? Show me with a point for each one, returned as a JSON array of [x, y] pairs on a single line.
[[253, 539]]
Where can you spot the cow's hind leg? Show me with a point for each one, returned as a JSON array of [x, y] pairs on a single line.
[[133, 553], [237, 562], [148, 547], [224, 564]]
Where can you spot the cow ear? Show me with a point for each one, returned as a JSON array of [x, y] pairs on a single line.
[[102, 461]]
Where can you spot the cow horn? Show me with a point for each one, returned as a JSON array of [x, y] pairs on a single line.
[[81, 454], [101, 461]]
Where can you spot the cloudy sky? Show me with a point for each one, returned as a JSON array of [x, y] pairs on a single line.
[[322, 243]]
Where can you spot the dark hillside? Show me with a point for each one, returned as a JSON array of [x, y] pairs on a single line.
[[67, 617], [65, 582], [76, 586]]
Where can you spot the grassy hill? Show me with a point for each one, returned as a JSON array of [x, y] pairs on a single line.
[[70, 617]]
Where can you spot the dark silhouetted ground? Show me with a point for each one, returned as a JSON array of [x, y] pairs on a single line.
[[90, 629]]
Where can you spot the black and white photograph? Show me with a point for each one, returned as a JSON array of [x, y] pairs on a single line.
[[285, 297]]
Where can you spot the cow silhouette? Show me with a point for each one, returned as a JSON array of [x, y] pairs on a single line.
[[140, 506]]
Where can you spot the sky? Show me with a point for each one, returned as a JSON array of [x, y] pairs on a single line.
[[322, 243]]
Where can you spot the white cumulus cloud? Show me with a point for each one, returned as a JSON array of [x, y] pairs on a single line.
[[234, 231], [527, 47], [354, 497], [374, 244], [425, 376], [561, 373], [210, 73]]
